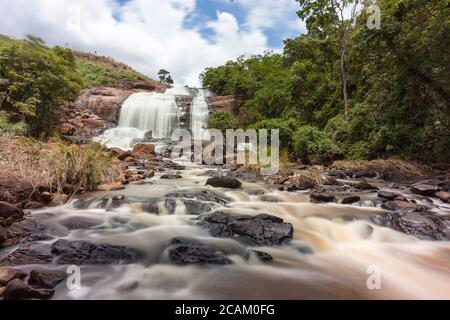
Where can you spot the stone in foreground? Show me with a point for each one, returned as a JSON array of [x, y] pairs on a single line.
[[263, 229], [85, 253], [422, 225], [18, 290], [45, 278], [224, 182], [185, 252], [8, 274]]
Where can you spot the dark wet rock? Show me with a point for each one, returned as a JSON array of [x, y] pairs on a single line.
[[340, 174], [256, 192], [263, 229], [18, 290], [28, 254], [364, 174], [330, 181], [8, 274], [201, 195], [303, 248], [394, 185], [80, 223], [425, 189], [443, 196], [129, 287], [213, 173], [194, 207], [3, 234], [322, 197], [175, 166], [84, 253], [422, 225], [351, 200], [45, 278], [268, 198], [387, 195], [8, 210], [399, 205], [365, 186], [171, 176], [224, 182], [185, 252], [28, 230], [263, 256]]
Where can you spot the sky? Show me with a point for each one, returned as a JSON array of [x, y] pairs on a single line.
[[182, 36]]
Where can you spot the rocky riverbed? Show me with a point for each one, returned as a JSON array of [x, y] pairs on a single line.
[[174, 230]]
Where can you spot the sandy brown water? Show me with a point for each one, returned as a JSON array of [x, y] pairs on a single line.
[[344, 246]]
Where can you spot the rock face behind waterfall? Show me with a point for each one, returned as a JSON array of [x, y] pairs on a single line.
[[97, 109]]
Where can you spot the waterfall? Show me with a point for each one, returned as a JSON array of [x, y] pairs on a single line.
[[199, 115], [151, 115], [155, 112]]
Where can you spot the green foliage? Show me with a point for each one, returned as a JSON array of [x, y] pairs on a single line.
[[286, 127], [95, 75], [35, 82], [314, 146], [165, 77], [78, 168], [397, 78], [223, 121]]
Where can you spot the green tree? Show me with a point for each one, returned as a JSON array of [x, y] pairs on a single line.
[[37, 81], [223, 121], [165, 77]]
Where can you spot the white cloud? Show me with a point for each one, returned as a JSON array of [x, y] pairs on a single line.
[[146, 34]]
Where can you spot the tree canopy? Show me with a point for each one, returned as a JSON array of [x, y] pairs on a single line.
[[356, 92]]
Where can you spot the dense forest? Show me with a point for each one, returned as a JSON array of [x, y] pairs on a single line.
[[345, 90]]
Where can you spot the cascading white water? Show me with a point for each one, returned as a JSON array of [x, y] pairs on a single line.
[[200, 115], [156, 113]]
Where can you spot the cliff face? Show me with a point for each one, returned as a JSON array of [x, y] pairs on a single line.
[[97, 108], [224, 104]]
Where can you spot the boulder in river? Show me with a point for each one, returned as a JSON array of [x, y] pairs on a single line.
[[8, 211], [111, 187], [422, 225], [399, 205], [224, 182], [387, 195], [85, 253], [18, 290], [143, 150], [351, 200], [185, 252], [263, 229], [322, 197], [443, 196], [28, 254], [8, 274], [365, 186], [199, 195], [426, 190], [45, 278], [171, 176], [263, 256]]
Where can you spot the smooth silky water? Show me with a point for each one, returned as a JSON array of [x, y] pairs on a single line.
[[332, 250], [340, 250]]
